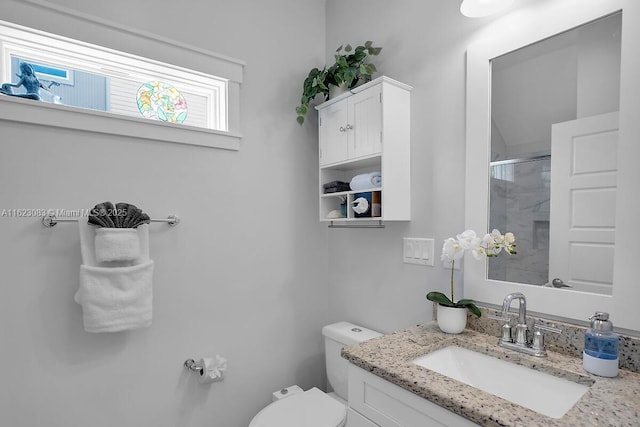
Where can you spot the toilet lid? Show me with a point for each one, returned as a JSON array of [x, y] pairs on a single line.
[[313, 408]]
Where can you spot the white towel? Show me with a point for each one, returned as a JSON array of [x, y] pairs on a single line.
[[366, 181], [117, 244], [117, 295]]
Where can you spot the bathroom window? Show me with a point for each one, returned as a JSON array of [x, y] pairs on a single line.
[[100, 80], [51, 73]]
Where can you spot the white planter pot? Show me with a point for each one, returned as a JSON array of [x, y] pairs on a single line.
[[451, 320], [337, 90]]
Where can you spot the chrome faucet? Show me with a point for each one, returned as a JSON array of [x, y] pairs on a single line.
[[521, 328], [521, 343]]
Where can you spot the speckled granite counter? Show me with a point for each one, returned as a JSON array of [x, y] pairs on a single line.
[[609, 401]]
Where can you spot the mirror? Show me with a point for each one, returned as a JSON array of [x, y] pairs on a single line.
[[507, 137], [570, 79]]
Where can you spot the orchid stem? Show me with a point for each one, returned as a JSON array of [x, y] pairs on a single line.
[[453, 261]]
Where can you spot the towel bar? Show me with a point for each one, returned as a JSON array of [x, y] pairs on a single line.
[[378, 225], [51, 220]]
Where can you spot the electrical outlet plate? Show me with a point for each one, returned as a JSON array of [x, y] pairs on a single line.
[[418, 251]]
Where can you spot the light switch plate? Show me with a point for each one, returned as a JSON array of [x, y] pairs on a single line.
[[418, 251]]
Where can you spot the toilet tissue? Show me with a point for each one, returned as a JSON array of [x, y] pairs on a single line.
[[212, 369]]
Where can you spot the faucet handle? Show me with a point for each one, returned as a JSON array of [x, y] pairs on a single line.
[[546, 328], [538, 336], [506, 327]]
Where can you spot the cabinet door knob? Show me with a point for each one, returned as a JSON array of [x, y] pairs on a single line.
[[342, 129], [349, 127]]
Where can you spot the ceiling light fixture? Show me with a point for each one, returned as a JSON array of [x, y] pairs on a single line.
[[482, 8]]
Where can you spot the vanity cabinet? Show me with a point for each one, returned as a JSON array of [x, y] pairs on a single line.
[[385, 404], [367, 130]]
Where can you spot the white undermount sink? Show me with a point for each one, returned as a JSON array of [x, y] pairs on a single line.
[[541, 392]]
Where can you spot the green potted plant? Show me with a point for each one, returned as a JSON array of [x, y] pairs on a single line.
[[351, 69], [452, 314]]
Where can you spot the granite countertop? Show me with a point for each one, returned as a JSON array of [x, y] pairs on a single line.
[[609, 401]]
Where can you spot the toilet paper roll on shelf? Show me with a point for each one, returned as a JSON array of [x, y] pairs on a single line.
[[208, 369]]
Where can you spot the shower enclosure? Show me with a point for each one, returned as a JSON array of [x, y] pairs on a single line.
[[519, 203]]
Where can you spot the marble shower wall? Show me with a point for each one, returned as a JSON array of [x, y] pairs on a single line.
[[520, 194]]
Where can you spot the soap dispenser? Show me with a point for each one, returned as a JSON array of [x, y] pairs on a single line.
[[600, 356]]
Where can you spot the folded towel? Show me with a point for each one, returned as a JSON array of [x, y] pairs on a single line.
[[117, 298], [115, 295], [122, 215], [117, 244], [336, 186], [366, 181]]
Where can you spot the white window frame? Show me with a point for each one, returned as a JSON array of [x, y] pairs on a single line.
[[27, 42]]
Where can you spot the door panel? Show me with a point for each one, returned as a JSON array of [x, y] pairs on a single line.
[[583, 202], [366, 119]]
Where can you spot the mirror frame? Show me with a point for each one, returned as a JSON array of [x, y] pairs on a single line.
[[513, 31]]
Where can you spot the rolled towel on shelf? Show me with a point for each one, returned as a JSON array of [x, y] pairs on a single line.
[[366, 181]]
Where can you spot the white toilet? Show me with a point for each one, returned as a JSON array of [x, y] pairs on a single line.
[[314, 408]]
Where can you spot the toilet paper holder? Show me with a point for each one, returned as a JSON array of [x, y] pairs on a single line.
[[192, 365], [208, 369]]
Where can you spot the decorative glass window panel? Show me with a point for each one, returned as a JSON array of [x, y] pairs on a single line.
[[87, 76]]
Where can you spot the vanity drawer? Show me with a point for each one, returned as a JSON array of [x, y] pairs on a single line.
[[388, 405]]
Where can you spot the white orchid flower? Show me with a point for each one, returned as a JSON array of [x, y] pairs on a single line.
[[468, 240], [489, 246], [479, 253], [452, 250]]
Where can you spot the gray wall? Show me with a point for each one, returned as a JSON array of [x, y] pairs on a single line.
[[250, 273], [424, 44], [243, 275]]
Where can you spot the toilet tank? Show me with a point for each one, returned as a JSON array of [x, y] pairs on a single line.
[[336, 336]]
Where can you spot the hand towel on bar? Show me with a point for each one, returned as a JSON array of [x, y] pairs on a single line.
[[117, 244], [366, 181], [116, 295]]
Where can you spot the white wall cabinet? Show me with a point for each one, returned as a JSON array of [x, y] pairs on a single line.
[[351, 127], [386, 405], [367, 130]]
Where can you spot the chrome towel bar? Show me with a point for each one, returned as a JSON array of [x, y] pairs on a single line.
[[51, 220]]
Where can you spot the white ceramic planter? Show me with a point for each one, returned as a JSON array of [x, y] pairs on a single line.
[[337, 90], [451, 320]]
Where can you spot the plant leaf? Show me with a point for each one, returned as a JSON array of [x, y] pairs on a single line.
[[347, 48], [474, 309], [469, 305], [300, 120], [440, 298], [359, 56]]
